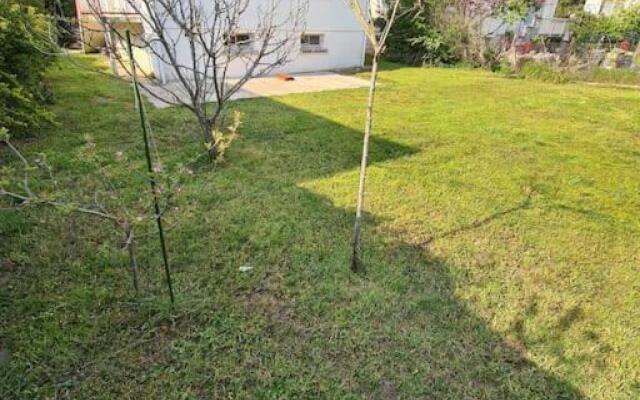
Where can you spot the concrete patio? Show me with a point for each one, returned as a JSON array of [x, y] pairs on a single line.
[[264, 87]]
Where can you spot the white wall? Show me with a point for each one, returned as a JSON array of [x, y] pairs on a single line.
[[608, 7], [593, 6], [495, 27], [344, 49], [547, 9], [343, 39]]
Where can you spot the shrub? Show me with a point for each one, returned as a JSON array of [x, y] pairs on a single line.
[[27, 48], [566, 8], [447, 31], [622, 25], [415, 40], [62, 11], [19, 111]]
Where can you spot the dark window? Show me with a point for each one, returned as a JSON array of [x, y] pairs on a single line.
[[312, 43], [311, 40], [241, 40]]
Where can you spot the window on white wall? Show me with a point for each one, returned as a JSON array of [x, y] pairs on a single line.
[[312, 43], [240, 41]]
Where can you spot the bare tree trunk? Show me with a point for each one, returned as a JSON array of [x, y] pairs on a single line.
[[209, 138], [215, 128], [356, 254]]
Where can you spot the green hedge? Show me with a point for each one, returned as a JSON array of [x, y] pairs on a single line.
[[436, 32], [622, 25], [27, 48], [415, 39]]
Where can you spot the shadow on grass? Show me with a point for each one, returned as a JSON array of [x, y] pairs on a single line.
[[299, 325], [524, 204], [316, 329]]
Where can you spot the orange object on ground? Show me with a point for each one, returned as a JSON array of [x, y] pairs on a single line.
[[285, 77]]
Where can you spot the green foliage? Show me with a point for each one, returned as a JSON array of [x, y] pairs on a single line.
[[26, 45], [64, 8], [512, 10], [415, 40], [627, 24], [566, 8], [4, 134], [622, 25], [542, 72], [492, 58], [62, 11], [26, 50], [20, 111], [446, 31]]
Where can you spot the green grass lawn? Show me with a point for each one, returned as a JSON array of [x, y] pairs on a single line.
[[614, 76], [501, 247], [625, 77]]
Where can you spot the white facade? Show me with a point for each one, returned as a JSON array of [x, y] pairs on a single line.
[[608, 7], [338, 40]]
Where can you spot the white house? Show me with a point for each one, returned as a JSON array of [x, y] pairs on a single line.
[[332, 38], [608, 7]]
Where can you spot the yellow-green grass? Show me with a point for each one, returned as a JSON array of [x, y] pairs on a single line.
[[501, 250], [627, 78]]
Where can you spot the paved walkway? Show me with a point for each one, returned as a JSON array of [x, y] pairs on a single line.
[[267, 87]]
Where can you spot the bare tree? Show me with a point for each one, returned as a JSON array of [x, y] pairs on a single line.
[[31, 184], [204, 51], [378, 42]]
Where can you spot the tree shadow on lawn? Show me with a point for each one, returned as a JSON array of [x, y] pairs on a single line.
[[300, 324]]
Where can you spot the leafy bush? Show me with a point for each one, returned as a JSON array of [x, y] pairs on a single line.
[[622, 25], [448, 31], [414, 40], [566, 8], [62, 11], [27, 48], [19, 110]]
